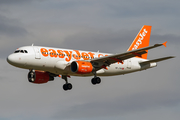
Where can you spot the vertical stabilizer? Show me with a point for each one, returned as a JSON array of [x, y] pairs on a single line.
[[142, 40]]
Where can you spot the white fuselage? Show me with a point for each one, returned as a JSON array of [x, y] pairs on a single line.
[[57, 61]]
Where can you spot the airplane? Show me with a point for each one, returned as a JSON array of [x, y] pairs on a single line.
[[45, 63]]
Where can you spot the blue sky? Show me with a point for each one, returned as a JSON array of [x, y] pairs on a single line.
[[107, 26]]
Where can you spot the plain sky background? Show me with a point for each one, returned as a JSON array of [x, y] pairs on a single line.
[[105, 25]]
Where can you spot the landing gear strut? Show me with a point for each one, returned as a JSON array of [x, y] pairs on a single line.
[[66, 86], [95, 80]]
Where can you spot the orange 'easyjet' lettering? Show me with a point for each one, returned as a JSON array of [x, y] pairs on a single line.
[[44, 52], [78, 56], [69, 55], [63, 53], [60, 52], [91, 55], [100, 55], [85, 56], [52, 53]]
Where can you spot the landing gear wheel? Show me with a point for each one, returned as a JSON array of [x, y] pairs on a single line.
[[98, 80], [95, 80], [67, 86]]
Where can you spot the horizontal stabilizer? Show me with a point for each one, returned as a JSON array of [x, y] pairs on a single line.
[[156, 60]]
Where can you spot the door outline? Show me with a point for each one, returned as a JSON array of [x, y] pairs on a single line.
[[129, 63], [37, 53]]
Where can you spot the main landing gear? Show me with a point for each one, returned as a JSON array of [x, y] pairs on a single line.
[[95, 80], [66, 86]]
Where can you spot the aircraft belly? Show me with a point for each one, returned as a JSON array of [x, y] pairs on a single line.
[[114, 69]]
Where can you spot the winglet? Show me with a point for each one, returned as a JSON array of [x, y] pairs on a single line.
[[165, 43]]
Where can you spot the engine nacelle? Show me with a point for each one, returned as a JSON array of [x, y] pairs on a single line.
[[81, 67], [38, 77]]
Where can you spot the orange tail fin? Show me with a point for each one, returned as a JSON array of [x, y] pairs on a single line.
[[141, 40]]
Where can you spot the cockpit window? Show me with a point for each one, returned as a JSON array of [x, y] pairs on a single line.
[[21, 51], [17, 51]]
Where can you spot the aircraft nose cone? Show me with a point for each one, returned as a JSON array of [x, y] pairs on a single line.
[[16, 60], [11, 59]]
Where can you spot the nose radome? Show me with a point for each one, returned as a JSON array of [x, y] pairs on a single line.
[[11, 59]]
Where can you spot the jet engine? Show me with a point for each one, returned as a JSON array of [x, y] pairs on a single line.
[[39, 77], [81, 67]]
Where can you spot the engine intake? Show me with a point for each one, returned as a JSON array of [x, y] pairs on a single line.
[[81, 67]]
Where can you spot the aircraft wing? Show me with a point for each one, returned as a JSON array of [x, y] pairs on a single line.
[[110, 59]]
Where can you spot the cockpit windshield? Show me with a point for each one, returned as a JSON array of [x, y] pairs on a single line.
[[21, 51]]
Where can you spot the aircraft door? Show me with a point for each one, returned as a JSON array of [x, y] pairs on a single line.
[[37, 53]]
